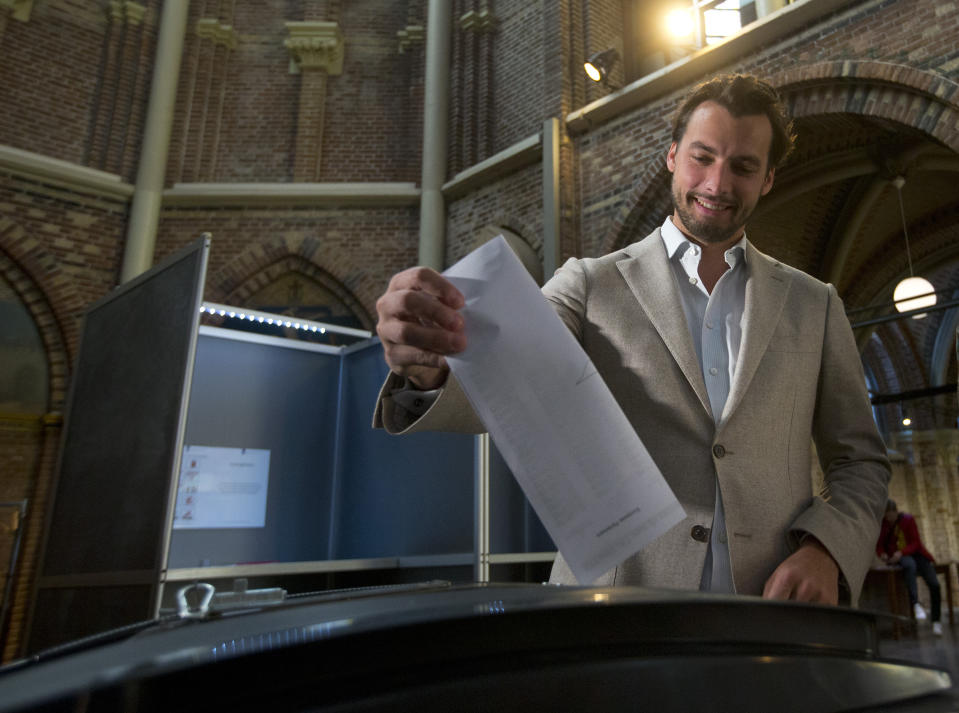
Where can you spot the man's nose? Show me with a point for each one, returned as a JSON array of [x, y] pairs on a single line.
[[717, 178]]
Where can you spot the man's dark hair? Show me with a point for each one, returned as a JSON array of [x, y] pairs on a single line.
[[742, 95], [891, 505]]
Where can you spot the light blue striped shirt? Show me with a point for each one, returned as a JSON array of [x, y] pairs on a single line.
[[715, 325]]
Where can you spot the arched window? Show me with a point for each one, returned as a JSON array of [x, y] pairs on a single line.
[[24, 379], [297, 295], [298, 291]]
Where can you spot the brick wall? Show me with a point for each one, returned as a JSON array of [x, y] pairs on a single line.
[[369, 133], [260, 104], [360, 248], [516, 203], [53, 100]]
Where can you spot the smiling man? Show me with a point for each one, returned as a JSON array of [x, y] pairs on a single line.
[[727, 363]]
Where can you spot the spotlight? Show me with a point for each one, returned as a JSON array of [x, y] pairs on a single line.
[[598, 65], [679, 24]]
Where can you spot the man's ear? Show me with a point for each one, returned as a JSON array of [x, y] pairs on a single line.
[[671, 157], [768, 181]]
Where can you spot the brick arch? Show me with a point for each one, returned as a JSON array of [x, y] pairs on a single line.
[[907, 95], [39, 308], [533, 236], [646, 208], [530, 234], [263, 263]]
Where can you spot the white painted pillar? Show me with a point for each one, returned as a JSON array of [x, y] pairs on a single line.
[[148, 191], [435, 121]]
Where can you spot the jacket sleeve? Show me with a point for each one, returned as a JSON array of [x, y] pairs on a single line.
[[846, 518], [450, 412]]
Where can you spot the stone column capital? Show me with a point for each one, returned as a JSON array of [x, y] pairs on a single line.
[[19, 9], [409, 36], [220, 34], [316, 45], [479, 22], [126, 11]]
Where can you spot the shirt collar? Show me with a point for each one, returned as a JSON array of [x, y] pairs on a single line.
[[674, 239]]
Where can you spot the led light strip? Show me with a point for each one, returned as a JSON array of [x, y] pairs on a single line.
[[279, 320]]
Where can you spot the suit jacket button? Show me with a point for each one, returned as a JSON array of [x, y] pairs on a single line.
[[719, 451], [699, 533]]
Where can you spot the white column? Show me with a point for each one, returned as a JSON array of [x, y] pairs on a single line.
[[435, 108], [148, 191], [552, 251]]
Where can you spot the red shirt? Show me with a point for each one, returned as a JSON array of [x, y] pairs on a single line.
[[902, 536]]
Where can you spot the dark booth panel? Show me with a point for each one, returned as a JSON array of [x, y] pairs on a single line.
[[397, 496], [118, 455], [284, 400], [70, 613], [122, 421]]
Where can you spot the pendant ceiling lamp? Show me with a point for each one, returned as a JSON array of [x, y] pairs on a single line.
[[912, 292]]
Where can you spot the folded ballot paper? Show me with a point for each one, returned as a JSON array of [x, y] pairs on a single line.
[[577, 458]]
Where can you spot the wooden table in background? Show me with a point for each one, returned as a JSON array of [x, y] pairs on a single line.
[[897, 598], [946, 569]]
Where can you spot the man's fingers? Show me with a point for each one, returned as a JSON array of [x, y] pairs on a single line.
[[789, 585], [406, 339], [778, 586], [419, 324], [808, 575], [424, 279], [401, 356], [417, 306]]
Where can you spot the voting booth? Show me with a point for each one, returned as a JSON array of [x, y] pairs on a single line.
[[208, 453]]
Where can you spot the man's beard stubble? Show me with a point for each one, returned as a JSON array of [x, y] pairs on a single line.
[[707, 232]]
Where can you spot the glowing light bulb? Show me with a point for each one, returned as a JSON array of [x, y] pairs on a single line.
[[906, 293], [679, 24]]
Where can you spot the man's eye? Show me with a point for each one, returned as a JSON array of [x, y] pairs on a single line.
[[701, 159]]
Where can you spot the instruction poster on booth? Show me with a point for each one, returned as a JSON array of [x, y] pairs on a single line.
[[222, 488]]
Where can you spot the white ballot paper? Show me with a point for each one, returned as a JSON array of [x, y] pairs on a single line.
[[577, 458]]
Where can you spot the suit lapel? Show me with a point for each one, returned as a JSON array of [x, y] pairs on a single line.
[[767, 284], [648, 273]]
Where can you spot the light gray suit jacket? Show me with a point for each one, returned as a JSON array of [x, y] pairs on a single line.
[[798, 380]]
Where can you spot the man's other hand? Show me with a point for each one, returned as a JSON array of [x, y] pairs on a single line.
[[419, 325], [809, 574]]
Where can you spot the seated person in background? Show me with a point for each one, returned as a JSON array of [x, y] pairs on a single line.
[[899, 543]]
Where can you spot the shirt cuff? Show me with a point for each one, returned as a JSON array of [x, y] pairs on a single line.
[[412, 399]]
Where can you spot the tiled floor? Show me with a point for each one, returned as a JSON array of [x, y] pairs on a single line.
[[921, 646]]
